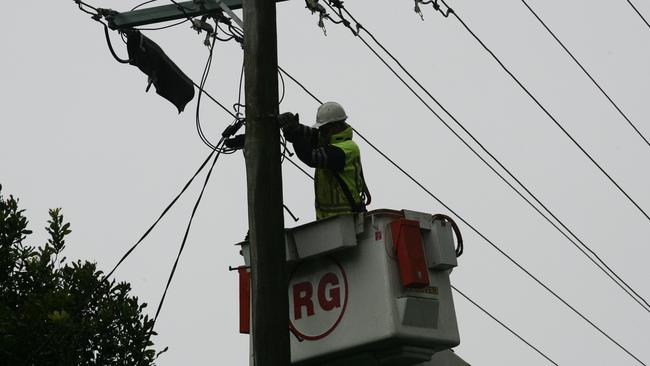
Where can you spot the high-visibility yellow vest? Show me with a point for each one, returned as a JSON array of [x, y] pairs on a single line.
[[330, 198]]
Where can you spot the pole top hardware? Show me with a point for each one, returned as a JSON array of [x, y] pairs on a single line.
[[164, 13]]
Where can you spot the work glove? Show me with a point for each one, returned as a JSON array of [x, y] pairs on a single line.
[[287, 120]]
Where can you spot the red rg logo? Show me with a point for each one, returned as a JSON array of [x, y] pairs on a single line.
[[318, 295]]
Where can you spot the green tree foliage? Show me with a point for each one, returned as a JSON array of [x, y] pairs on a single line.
[[57, 313]]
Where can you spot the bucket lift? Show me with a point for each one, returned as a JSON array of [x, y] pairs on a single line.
[[368, 290]]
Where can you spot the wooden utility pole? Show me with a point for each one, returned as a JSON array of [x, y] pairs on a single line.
[[265, 216], [270, 330]]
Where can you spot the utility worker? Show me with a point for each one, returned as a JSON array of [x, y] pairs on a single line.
[[327, 146]]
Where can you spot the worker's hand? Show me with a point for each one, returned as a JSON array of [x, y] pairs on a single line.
[[288, 119]]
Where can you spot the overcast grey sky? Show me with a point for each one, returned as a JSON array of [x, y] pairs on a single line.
[[79, 132]]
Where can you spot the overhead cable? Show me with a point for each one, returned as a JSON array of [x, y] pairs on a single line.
[[220, 149], [302, 86], [504, 325], [639, 13], [587, 73], [512, 260], [546, 111], [187, 231], [225, 109], [164, 26], [110, 46], [473, 302], [164, 212], [299, 168], [475, 230], [143, 4], [598, 262]]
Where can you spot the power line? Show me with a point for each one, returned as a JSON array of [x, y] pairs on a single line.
[[587, 73], [602, 266], [503, 325], [187, 231], [546, 111], [300, 85], [214, 100], [164, 212], [639, 13], [95, 15], [200, 197], [512, 260], [218, 149], [165, 26], [501, 251]]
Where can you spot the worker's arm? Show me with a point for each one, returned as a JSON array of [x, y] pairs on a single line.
[[305, 142], [329, 157]]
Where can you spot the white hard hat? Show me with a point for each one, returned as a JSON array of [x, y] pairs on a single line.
[[329, 112]]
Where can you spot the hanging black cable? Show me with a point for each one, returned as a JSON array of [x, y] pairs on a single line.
[[507, 256], [164, 212], [204, 78], [602, 265], [639, 13], [587, 73], [110, 46], [503, 325], [546, 111], [187, 231], [219, 150]]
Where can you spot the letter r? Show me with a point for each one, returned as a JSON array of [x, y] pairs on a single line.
[[302, 293]]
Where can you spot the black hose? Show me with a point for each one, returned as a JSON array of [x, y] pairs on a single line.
[[110, 47]]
